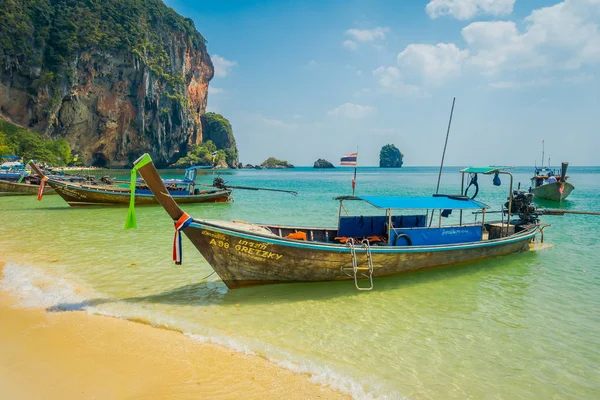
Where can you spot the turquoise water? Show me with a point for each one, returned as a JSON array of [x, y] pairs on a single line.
[[518, 327]]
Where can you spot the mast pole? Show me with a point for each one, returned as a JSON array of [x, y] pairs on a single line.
[[437, 189], [445, 145], [543, 145]]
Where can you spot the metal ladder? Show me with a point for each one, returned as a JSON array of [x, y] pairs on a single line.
[[366, 272]]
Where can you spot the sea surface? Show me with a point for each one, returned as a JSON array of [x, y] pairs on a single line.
[[525, 326]]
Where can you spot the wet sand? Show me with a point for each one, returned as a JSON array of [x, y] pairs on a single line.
[[75, 355]]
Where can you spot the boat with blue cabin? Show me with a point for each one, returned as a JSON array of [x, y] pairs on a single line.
[[399, 236]]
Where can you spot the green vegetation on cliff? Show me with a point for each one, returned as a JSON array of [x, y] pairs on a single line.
[[29, 145], [217, 129], [390, 157], [51, 33], [201, 154], [217, 136]]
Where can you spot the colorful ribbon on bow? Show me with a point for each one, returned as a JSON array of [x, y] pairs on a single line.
[[183, 222], [43, 180], [131, 220]]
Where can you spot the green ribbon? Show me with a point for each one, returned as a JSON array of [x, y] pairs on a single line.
[[130, 223]]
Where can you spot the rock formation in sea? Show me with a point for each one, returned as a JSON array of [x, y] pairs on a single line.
[[115, 78], [273, 163], [321, 163], [390, 157]]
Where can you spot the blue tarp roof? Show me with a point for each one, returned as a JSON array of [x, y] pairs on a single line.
[[418, 203]]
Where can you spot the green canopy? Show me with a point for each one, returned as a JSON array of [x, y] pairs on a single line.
[[484, 170]]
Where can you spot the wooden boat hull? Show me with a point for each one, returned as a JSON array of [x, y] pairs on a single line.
[[81, 195], [8, 188], [244, 259], [551, 191]]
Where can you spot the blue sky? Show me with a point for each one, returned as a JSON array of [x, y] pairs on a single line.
[[301, 80]]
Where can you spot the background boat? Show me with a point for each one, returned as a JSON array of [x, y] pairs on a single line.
[[182, 190], [9, 188], [558, 190]]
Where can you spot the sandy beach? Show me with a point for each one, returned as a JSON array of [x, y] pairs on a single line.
[[75, 355]]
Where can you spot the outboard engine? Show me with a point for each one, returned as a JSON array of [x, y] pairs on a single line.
[[522, 205]]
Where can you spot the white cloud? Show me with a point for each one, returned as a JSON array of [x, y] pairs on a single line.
[[391, 81], [368, 35], [432, 64], [503, 85], [514, 85], [277, 123], [563, 36], [358, 72], [222, 66], [350, 45], [352, 111], [214, 90], [467, 9], [311, 64], [578, 78]]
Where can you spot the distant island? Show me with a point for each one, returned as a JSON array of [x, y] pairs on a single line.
[[273, 163], [321, 163], [390, 157]]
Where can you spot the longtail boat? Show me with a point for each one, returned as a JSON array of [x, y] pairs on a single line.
[[361, 247], [546, 184], [26, 187], [182, 190]]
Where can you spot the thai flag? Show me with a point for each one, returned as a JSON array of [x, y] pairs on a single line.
[[214, 153], [349, 159]]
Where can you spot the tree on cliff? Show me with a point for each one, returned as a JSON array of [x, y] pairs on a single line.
[[390, 157], [29, 145], [201, 154], [217, 129]]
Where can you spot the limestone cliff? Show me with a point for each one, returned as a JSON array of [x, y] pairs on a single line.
[[115, 78]]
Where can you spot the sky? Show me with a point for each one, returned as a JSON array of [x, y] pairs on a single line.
[[302, 80]]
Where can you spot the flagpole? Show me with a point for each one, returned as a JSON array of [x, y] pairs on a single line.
[[354, 179]]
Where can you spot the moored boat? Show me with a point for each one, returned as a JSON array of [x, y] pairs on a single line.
[[247, 254], [546, 184], [27, 187], [182, 190]]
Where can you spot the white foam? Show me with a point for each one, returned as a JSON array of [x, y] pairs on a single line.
[[319, 373], [35, 288]]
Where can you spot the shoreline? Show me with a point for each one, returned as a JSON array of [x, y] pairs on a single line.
[[73, 354]]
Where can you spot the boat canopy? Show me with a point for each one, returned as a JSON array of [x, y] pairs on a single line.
[[492, 169], [438, 202]]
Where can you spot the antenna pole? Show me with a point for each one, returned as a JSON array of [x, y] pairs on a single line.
[[445, 145], [543, 145]]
